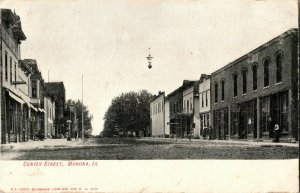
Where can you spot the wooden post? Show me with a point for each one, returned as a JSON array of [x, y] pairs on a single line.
[[258, 118]]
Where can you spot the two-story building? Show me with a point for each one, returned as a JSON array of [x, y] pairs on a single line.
[[190, 111], [258, 90], [157, 115], [49, 107], [57, 89], [36, 93], [204, 102]]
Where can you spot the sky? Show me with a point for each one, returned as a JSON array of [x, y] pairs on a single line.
[[107, 41]]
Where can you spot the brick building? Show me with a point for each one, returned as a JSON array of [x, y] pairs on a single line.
[[258, 90]]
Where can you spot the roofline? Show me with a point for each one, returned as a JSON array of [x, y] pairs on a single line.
[[265, 45]]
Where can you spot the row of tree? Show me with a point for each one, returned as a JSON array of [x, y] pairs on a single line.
[[73, 113], [128, 113]]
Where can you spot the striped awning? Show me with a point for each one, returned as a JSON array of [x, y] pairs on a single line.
[[16, 98]]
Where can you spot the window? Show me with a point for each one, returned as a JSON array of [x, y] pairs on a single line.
[[223, 90], [202, 100], [6, 67], [266, 73], [10, 67], [206, 98], [235, 79], [216, 92], [15, 73], [279, 68], [187, 105], [244, 81], [191, 103], [254, 78], [34, 89]]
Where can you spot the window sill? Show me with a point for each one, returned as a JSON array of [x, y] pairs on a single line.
[[266, 87], [234, 97], [278, 83], [244, 94], [254, 91]]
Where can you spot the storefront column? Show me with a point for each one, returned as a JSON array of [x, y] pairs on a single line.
[[229, 124], [258, 118], [289, 113]]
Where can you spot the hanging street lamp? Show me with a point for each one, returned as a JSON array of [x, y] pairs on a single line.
[[149, 58]]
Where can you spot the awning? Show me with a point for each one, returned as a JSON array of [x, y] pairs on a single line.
[[15, 97], [31, 106], [42, 110]]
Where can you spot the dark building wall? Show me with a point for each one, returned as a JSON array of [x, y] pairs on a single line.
[[286, 44]]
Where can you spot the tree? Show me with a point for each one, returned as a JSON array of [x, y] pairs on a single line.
[[128, 112], [87, 118]]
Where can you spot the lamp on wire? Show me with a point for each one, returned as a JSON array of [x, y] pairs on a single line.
[[149, 58]]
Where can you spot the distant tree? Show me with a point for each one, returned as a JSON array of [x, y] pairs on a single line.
[[87, 118], [128, 112]]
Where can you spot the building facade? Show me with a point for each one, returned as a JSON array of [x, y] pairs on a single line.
[[190, 111], [37, 94], [157, 113], [49, 107], [204, 102], [15, 102], [57, 89], [253, 93]]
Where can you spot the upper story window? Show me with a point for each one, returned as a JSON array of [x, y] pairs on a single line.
[[216, 92], [223, 90], [206, 98], [33, 89], [266, 72], [202, 99], [10, 67], [15, 66], [235, 85], [244, 72], [191, 103], [6, 66], [279, 68], [254, 77], [187, 104]]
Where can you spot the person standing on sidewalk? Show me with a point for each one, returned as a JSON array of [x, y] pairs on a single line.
[[277, 133]]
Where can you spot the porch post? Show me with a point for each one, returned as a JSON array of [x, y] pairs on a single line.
[[229, 121], [289, 113], [258, 118]]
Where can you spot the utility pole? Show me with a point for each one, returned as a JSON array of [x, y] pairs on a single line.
[[82, 119]]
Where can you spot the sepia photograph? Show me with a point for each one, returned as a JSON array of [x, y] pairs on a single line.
[[174, 93]]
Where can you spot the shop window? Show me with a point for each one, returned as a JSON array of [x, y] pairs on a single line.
[[244, 81], [223, 90], [235, 79], [279, 68], [216, 92], [266, 73], [265, 109], [254, 78]]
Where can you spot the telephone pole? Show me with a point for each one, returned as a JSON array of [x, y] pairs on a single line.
[[82, 119]]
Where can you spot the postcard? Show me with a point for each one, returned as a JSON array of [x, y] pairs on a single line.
[[149, 96]]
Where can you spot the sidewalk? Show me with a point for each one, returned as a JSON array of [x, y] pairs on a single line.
[[252, 142], [47, 143]]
